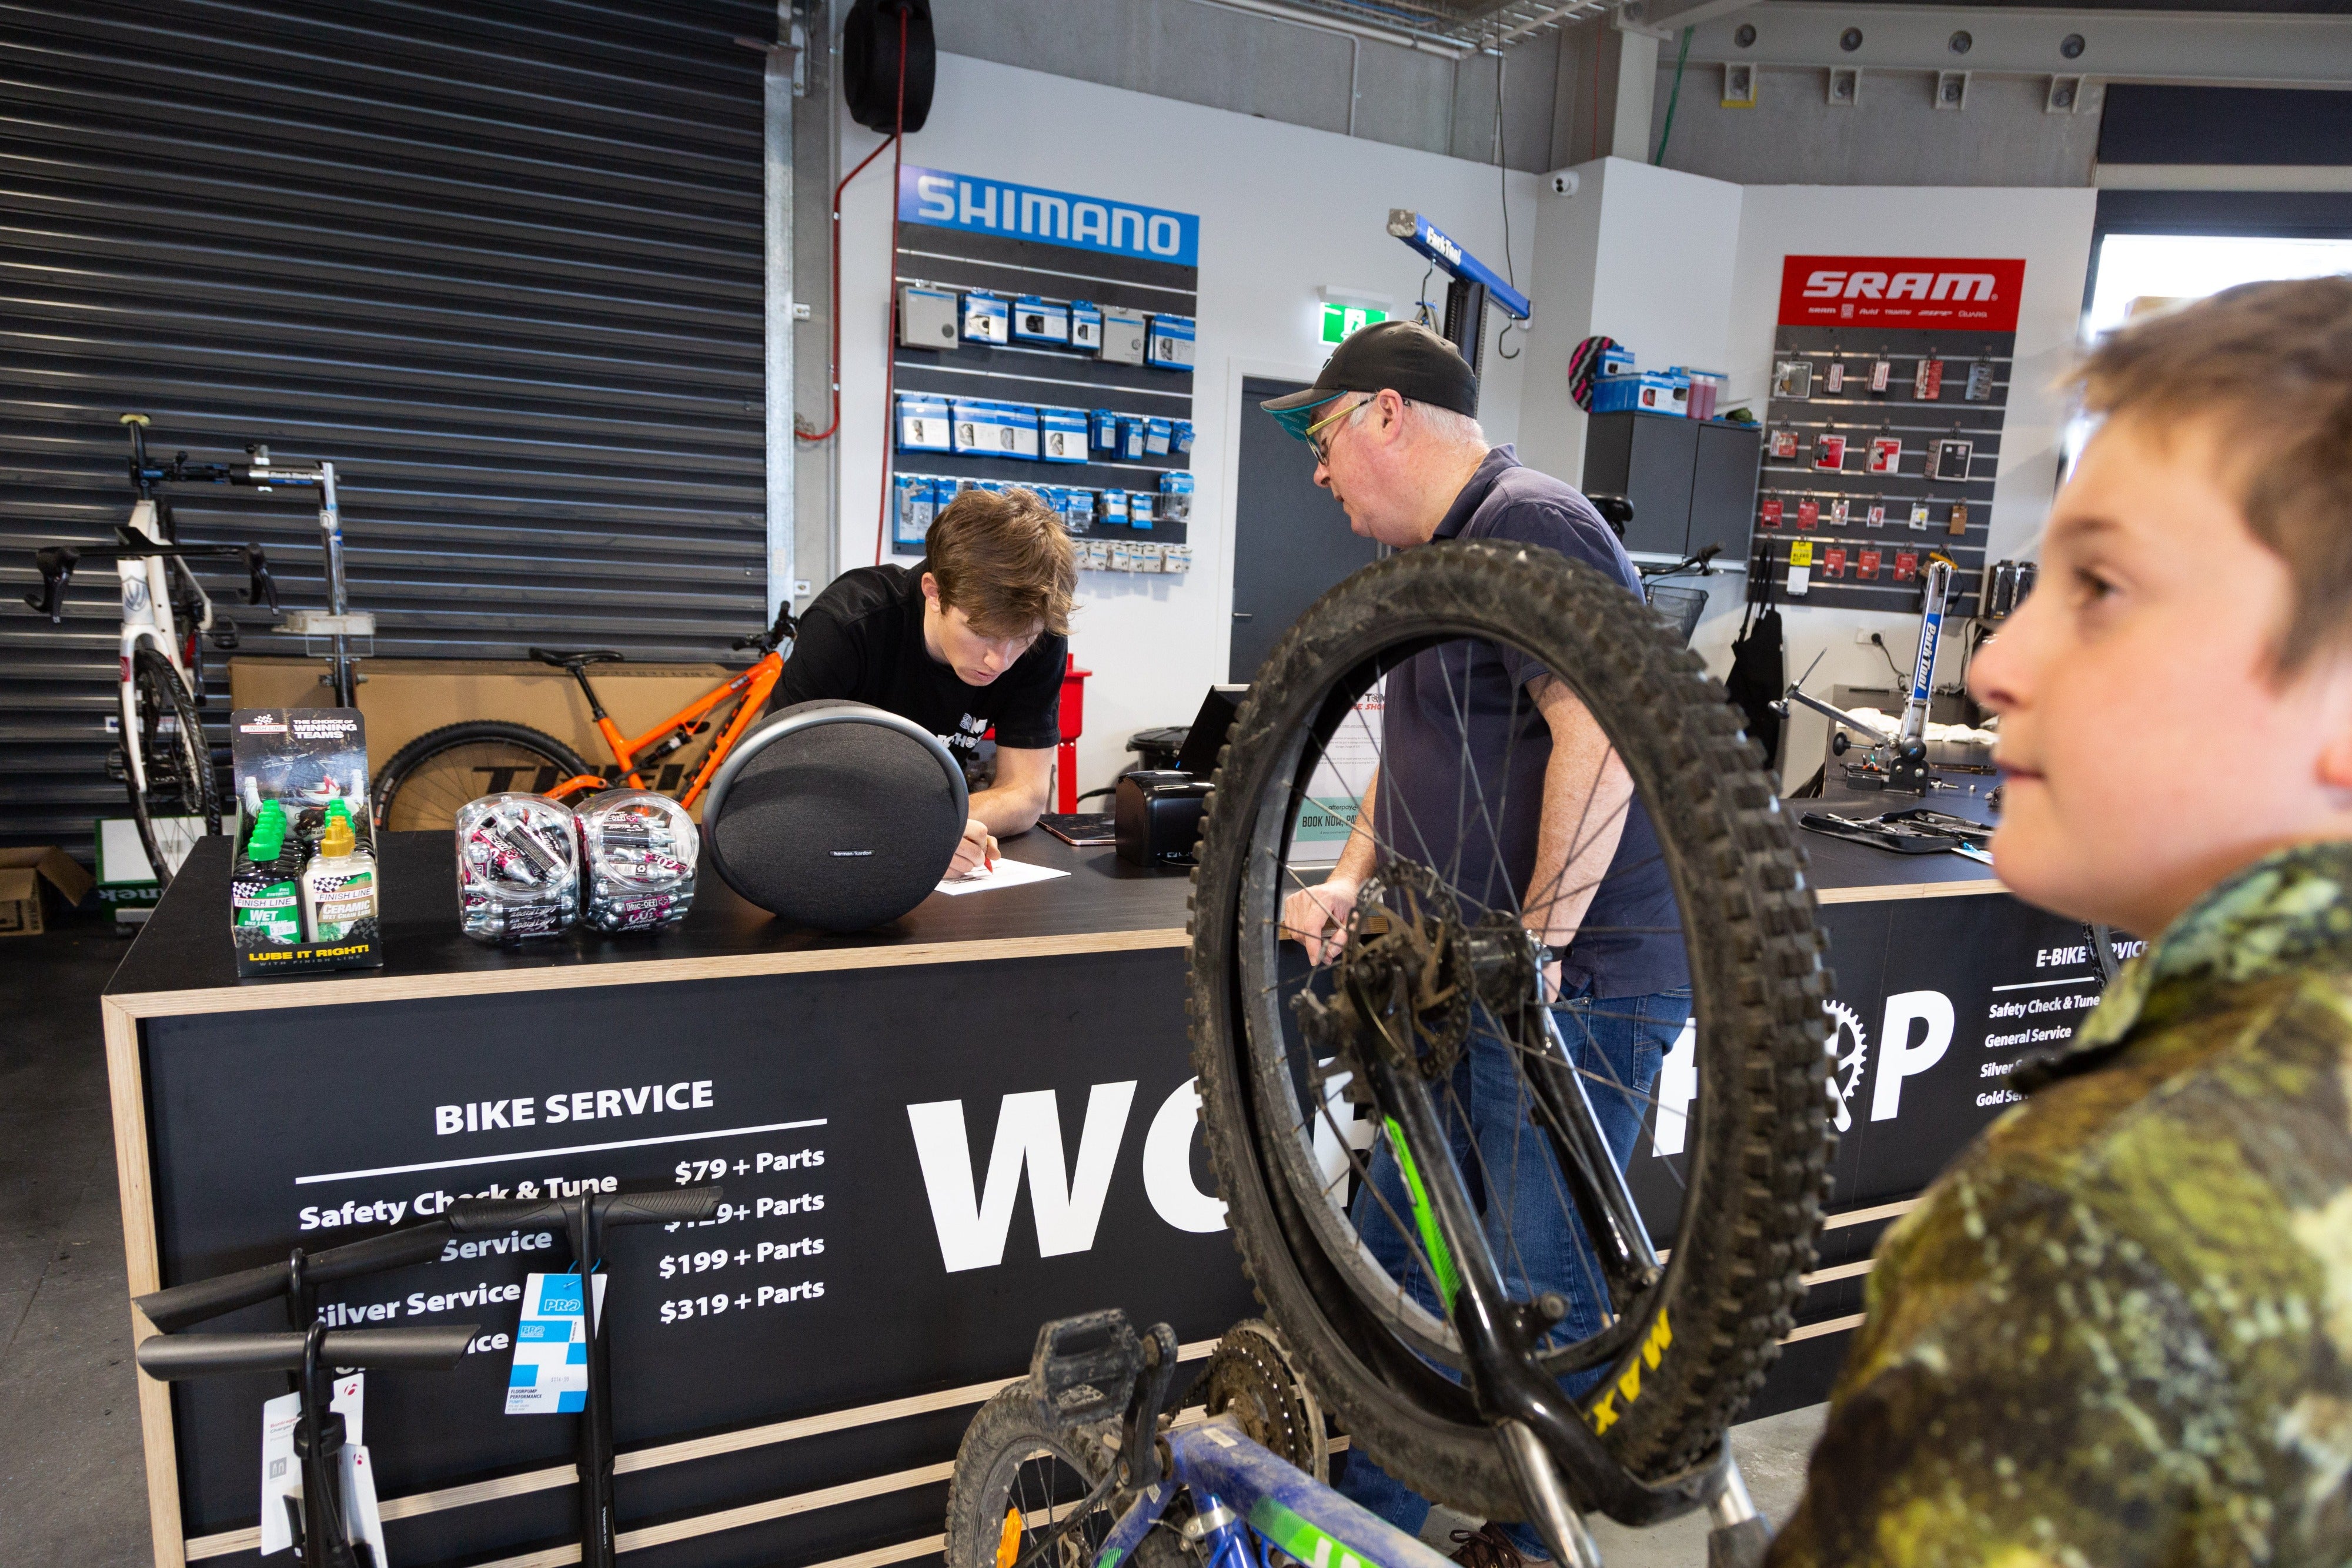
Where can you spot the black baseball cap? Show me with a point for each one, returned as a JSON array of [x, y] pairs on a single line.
[[1404, 357]]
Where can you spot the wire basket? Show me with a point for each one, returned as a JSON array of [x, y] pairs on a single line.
[[1680, 608]]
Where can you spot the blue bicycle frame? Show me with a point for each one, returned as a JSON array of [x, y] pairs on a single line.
[[1241, 1490]]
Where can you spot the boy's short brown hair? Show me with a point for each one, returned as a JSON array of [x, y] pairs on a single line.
[[2265, 368], [1005, 560]]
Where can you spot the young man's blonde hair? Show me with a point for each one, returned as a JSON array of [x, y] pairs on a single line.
[[1005, 560], [2266, 370]]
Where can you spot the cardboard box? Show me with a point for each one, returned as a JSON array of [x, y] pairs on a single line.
[[402, 698], [22, 873]]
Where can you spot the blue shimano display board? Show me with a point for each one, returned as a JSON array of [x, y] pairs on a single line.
[[977, 205]]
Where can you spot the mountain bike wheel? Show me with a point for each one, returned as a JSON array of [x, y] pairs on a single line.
[[428, 779], [1017, 1477], [181, 800], [1729, 1166]]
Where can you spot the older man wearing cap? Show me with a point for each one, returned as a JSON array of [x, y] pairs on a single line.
[[1392, 421]]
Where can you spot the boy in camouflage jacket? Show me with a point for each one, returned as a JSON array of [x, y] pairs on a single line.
[[2119, 1329]]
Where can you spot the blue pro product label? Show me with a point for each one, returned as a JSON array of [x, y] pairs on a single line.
[[550, 1375], [978, 205]]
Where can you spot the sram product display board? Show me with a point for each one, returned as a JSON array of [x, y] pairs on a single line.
[[1043, 339], [1890, 378]]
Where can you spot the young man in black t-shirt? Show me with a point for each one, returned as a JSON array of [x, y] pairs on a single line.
[[974, 636]]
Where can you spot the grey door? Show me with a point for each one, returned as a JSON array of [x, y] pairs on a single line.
[[1290, 538]]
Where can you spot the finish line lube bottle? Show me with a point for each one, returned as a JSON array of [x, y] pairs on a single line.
[[267, 908], [339, 884]]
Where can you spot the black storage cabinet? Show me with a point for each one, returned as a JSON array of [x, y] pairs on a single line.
[[1692, 482]]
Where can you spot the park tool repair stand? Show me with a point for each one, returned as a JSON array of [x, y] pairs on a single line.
[[1908, 769], [1474, 284]]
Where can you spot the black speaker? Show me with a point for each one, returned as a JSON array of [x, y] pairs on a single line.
[[869, 62], [835, 815]]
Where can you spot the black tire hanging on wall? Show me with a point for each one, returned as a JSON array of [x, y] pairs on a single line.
[[869, 63]]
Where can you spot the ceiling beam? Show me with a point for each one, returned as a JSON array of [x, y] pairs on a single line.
[[1665, 18], [2217, 49]]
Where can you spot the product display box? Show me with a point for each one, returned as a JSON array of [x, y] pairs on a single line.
[[303, 893]]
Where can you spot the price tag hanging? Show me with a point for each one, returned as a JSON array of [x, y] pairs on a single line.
[[550, 1376]]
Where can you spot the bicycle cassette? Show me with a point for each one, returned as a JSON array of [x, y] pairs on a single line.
[[1252, 1378]]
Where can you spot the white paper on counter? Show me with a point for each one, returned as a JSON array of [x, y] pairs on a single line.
[[1007, 873]]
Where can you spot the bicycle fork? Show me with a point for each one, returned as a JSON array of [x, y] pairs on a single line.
[[1539, 1427]]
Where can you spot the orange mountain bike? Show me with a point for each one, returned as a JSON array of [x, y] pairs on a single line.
[[428, 779]]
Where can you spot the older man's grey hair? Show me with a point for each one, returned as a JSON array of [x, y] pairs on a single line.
[[1451, 428]]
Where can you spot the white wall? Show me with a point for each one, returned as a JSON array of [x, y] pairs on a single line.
[[2052, 230], [1687, 270], [1283, 210], [1643, 255]]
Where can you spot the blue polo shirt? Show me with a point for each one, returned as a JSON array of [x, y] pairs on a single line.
[[1464, 706]]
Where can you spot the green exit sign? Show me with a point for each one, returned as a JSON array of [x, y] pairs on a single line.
[[1340, 320]]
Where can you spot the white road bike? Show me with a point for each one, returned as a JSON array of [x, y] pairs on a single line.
[[166, 763]]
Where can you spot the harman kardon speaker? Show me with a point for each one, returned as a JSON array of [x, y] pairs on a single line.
[[835, 814]]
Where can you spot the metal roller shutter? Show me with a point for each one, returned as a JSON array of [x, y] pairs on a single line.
[[500, 263]]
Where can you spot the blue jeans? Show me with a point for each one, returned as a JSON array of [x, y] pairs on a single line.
[[1507, 1165]]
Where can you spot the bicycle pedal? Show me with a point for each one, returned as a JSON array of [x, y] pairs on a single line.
[[1087, 1366]]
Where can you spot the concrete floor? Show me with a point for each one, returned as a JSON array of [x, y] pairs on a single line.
[[72, 1484], [72, 1488], [1772, 1454]]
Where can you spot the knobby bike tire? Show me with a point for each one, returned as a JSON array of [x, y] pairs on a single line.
[[414, 759], [1760, 1147], [154, 681], [1010, 1429]]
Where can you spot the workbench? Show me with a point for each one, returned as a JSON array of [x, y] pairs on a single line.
[[882, 1110]]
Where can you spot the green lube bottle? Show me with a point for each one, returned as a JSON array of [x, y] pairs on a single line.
[[265, 891]]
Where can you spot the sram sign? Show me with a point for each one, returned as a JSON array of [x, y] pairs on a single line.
[[1972, 294]]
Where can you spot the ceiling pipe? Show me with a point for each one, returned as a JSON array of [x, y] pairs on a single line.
[[1322, 22]]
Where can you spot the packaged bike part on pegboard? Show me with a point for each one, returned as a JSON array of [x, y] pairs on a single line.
[[304, 886], [517, 868], [640, 850]]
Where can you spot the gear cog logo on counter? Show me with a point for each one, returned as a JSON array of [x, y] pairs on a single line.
[[1850, 1045]]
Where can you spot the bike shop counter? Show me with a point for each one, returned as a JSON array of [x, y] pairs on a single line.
[[932, 1139]]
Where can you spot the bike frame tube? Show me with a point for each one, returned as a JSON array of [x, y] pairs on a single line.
[[752, 685], [756, 683], [1499, 1337], [147, 621], [1285, 1505]]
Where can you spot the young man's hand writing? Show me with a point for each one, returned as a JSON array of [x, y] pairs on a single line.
[[975, 851]]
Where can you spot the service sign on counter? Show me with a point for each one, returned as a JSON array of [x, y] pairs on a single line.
[[920, 1166]]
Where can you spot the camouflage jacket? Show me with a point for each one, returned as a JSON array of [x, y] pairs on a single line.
[[2119, 1329]]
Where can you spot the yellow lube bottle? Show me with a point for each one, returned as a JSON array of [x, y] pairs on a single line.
[[339, 884]]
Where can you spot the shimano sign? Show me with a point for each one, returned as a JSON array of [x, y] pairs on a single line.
[[977, 205]]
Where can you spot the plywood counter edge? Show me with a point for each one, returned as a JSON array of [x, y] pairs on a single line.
[[347, 990], [268, 995]]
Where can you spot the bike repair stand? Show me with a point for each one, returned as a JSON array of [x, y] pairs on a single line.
[[1473, 285], [1908, 769], [339, 623]]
